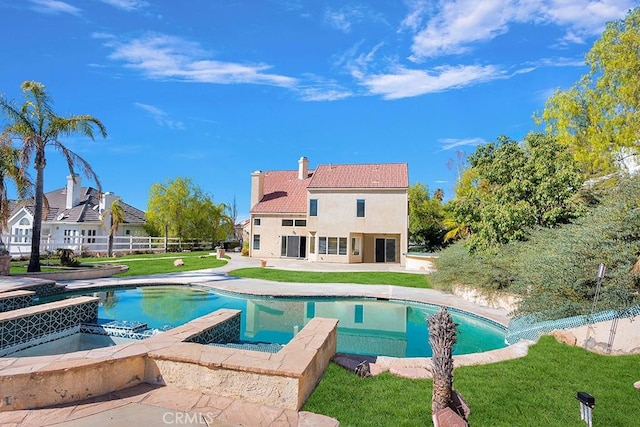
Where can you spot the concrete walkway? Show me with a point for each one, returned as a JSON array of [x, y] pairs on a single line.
[[151, 406]]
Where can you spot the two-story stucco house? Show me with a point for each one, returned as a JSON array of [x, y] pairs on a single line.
[[73, 219], [355, 213]]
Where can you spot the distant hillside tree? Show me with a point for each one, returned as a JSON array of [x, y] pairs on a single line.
[[598, 118]]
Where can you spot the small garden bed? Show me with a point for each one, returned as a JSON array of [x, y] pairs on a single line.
[[81, 272]]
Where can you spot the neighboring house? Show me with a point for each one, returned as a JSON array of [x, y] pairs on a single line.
[[336, 213], [73, 219], [243, 231]]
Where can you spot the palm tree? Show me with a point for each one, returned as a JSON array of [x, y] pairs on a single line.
[[116, 217], [442, 338], [439, 194], [456, 230], [37, 126], [10, 170]]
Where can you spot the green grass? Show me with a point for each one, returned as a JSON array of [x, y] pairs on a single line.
[[537, 390], [383, 400], [143, 264], [357, 277]]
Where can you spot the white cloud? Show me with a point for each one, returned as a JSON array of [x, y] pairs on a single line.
[[160, 116], [459, 24], [165, 57], [585, 17], [54, 7], [324, 94], [451, 143], [404, 82], [344, 18], [338, 19], [127, 4], [418, 9]]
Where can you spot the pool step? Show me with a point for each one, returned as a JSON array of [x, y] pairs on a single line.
[[119, 328], [264, 347]]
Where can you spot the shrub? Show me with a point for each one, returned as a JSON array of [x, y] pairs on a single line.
[[555, 270], [66, 257]]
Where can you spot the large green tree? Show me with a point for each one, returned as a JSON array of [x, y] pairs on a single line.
[[179, 208], [598, 118], [209, 220], [426, 216], [37, 127], [167, 204], [512, 187]]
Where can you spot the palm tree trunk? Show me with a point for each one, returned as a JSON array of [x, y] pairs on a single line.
[[442, 337], [110, 239], [34, 260]]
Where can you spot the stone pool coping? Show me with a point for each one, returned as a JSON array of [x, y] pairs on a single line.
[[284, 379], [70, 273]]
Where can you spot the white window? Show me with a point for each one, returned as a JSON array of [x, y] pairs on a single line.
[[332, 245], [22, 231], [91, 236], [70, 236]]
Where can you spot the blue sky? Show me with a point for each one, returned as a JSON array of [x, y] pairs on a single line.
[[213, 90]]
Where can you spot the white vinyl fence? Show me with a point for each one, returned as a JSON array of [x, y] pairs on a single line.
[[97, 245]]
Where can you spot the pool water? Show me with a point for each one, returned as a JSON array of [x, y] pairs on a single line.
[[366, 326], [74, 342]]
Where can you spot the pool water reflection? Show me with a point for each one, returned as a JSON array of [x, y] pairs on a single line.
[[366, 326]]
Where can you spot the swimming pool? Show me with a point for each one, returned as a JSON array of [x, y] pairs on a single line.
[[366, 326]]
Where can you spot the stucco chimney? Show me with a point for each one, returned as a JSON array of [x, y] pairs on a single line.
[[73, 191], [257, 187], [303, 168], [107, 200]]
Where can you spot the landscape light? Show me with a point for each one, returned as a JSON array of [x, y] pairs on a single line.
[[587, 403]]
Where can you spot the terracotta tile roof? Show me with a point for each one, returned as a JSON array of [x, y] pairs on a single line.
[[83, 212], [384, 175], [283, 193]]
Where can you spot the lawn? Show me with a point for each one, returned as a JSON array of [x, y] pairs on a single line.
[[355, 277], [141, 265], [537, 390], [163, 263]]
